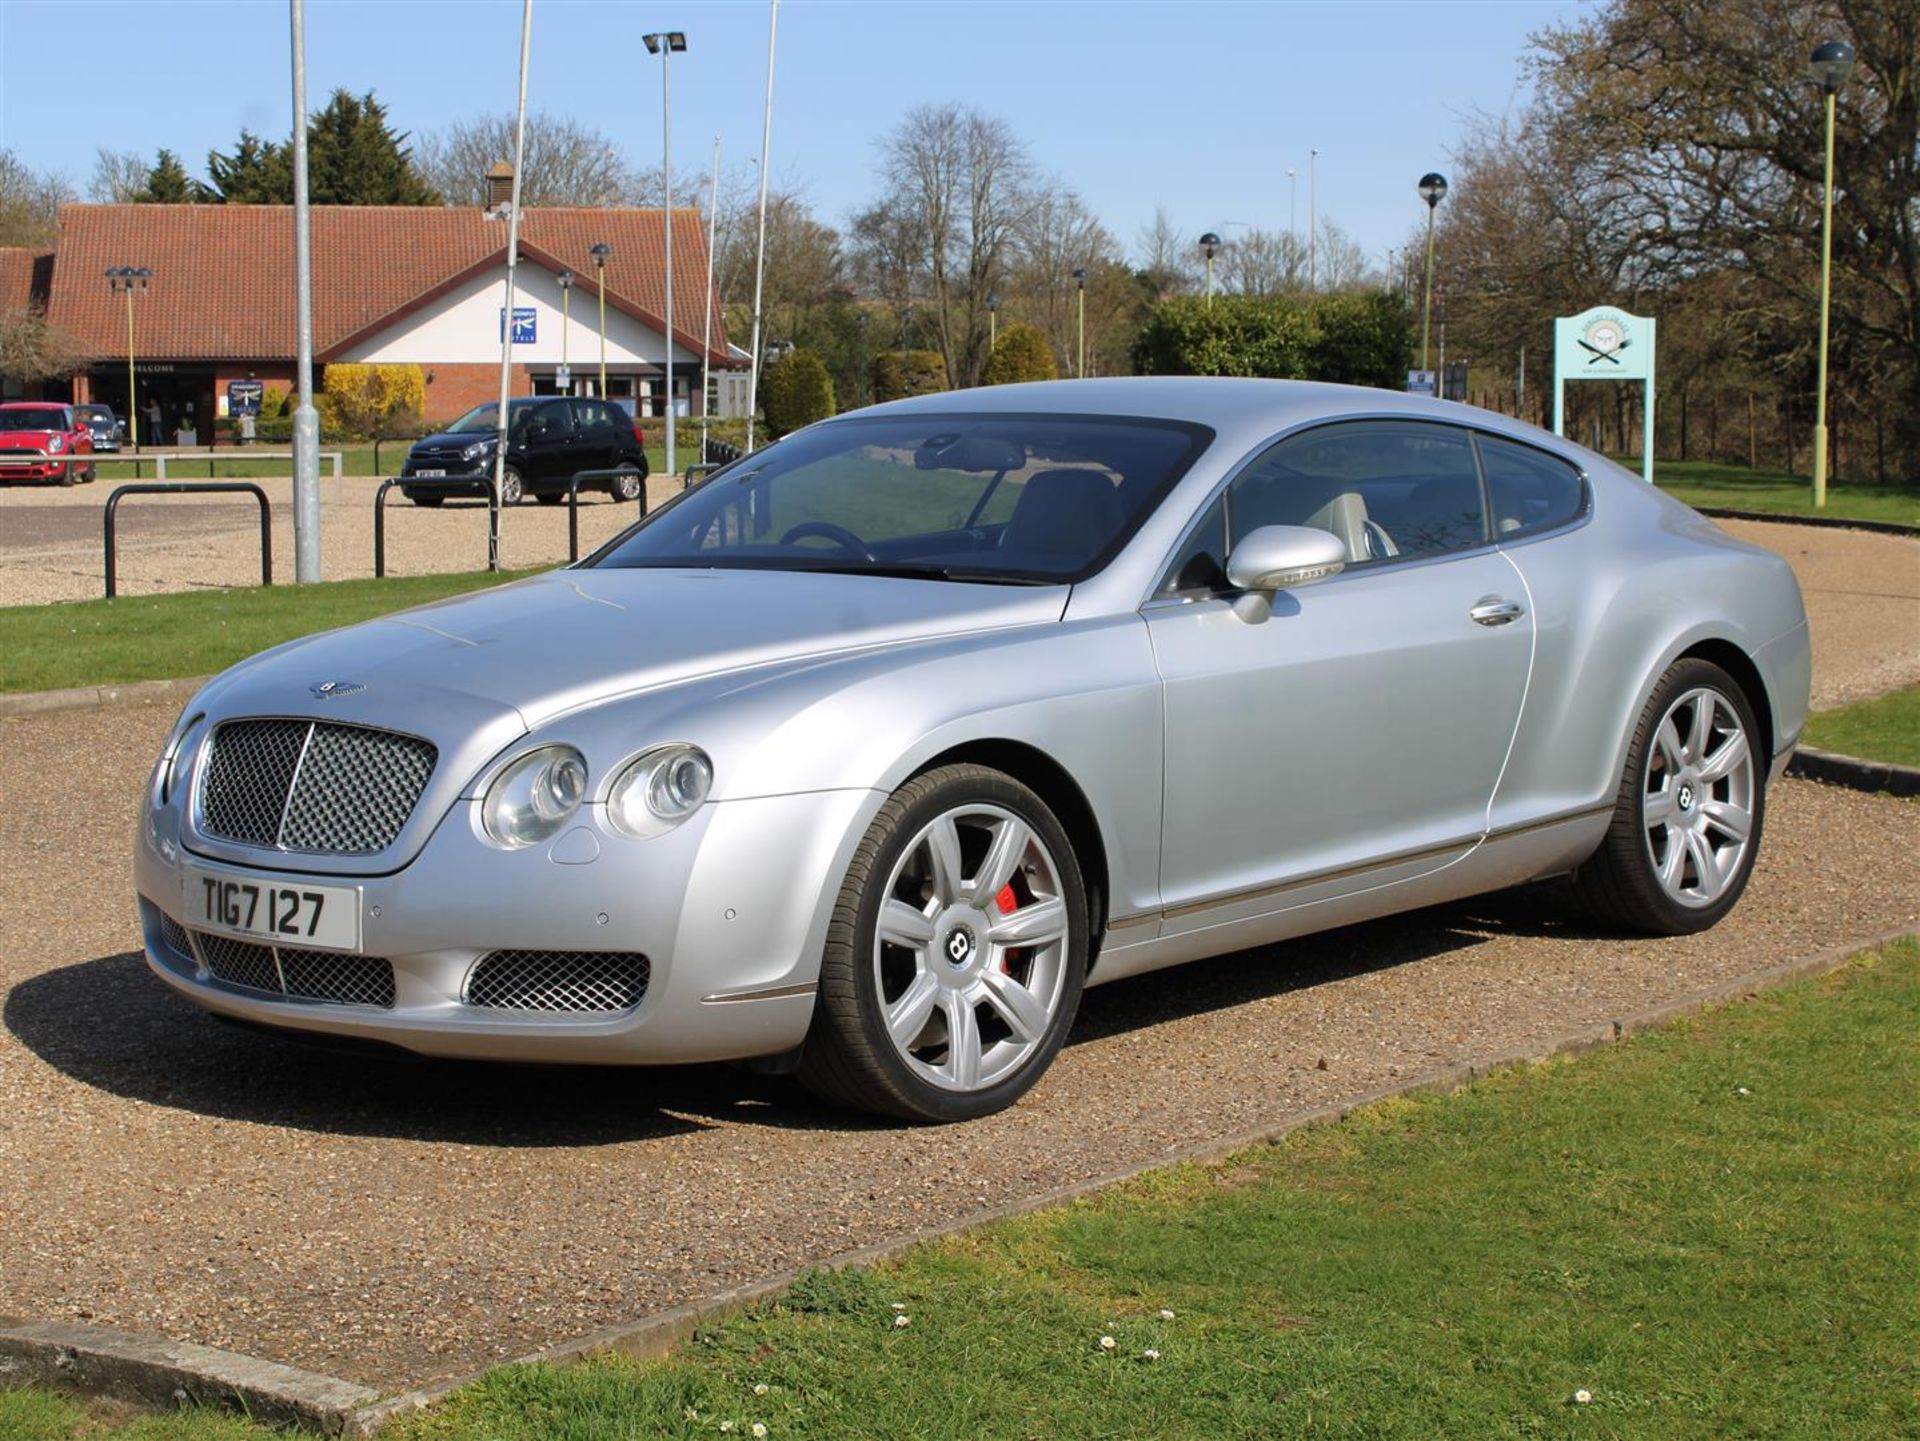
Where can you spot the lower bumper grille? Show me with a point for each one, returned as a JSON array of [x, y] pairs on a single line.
[[330, 976], [558, 981]]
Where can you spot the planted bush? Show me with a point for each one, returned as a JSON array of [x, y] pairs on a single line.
[[1021, 353], [900, 373], [798, 392]]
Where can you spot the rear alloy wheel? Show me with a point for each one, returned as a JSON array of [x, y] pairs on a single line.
[[1686, 826], [511, 488], [956, 954], [548, 497], [626, 485], [421, 498]]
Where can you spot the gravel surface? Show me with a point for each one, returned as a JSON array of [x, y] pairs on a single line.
[[1862, 589], [391, 1222]]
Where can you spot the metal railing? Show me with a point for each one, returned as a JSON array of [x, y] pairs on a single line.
[[472, 485], [573, 504], [188, 487], [717, 453], [158, 459]]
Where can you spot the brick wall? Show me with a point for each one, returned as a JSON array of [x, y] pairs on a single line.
[[454, 389]]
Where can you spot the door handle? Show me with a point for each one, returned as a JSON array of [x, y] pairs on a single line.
[[1495, 611]]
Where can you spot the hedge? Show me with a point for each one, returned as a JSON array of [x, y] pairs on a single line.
[[1021, 353], [797, 391], [900, 373]]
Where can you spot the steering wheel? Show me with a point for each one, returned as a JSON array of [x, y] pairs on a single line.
[[827, 530]]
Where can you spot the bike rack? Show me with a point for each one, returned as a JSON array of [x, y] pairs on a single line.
[[480, 486], [573, 505], [190, 487]]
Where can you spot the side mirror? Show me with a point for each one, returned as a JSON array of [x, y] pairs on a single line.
[[1285, 557]]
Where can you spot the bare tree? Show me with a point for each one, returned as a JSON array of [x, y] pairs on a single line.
[[566, 163], [119, 176], [29, 202], [1057, 235], [1264, 262], [956, 181], [1164, 257]]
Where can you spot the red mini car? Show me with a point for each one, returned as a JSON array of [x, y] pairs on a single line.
[[38, 440]]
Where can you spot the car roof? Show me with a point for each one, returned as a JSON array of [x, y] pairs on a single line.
[[34, 405]]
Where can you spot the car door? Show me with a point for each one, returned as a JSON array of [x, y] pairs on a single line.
[[1365, 719], [550, 445], [593, 435]]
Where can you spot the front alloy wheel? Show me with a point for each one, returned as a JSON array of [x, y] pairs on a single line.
[[955, 961]]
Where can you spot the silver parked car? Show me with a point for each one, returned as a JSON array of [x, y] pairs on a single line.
[[866, 755]]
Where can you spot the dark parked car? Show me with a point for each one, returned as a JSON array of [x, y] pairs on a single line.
[[106, 428], [549, 440]]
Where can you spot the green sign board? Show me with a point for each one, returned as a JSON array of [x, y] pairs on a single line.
[[1604, 343]]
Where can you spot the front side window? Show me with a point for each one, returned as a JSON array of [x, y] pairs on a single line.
[[1388, 490], [1008, 498]]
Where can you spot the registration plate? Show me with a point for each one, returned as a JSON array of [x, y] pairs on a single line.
[[430, 474], [284, 913]]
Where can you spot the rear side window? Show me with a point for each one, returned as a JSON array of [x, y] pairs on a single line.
[[1530, 490]]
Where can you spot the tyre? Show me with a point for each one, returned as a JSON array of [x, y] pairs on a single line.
[[956, 953], [429, 501], [626, 485], [1691, 806], [511, 488], [548, 497]]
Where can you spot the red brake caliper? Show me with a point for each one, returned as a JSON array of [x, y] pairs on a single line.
[[1008, 903]]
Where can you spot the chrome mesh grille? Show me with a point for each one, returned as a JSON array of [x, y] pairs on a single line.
[[558, 981], [312, 786], [331, 976], [173, 936]]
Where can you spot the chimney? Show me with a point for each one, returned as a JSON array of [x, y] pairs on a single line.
[[499, 185]]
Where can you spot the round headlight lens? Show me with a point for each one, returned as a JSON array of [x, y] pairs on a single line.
[[658, 789], [535, 796], [56, 444]]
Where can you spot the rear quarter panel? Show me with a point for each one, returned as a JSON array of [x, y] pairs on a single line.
[[1616, 601]]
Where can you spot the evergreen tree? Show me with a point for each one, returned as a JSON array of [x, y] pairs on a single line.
[[356, 158], [169, 184], [259, 172]]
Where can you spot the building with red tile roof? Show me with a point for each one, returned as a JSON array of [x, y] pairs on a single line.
[[393, 284]]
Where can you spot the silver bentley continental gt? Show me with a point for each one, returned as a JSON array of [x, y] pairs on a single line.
[[863, 757]]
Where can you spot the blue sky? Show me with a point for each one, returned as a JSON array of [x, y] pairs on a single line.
[[1199, 107]]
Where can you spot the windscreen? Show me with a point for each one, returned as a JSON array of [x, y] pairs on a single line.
[[1007, 498], [33, 420]]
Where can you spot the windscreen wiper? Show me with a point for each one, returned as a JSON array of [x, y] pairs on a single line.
[[931, 572]]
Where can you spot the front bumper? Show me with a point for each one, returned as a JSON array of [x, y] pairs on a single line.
[[730, 911]]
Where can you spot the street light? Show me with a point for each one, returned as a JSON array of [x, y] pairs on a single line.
[[1828, 67], [665, 43], [1313, 220], [602, 253], [129, 278], [1433, 189], [1293, 203], [565, 278], [993, 321], [1210, 245], [1080, 322]]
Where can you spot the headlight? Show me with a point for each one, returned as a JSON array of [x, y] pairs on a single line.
[[535, 796], [166, 775], [56, 444], [658, 789], [476, 450]]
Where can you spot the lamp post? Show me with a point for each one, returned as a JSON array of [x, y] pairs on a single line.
[[127, 279], [565, 279], [760, 252], [1828, 66], [1293, 205], [1080, 323], [666, 43], [993, 321], [1313, 220], [1210, 245], [706, 330], [602, 253], [1433, 189]]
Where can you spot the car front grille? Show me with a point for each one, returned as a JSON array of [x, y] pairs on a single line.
[[312, 786], [330, 976], [558, 981], [173, 936]]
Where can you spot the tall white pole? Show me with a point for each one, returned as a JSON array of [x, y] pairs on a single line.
[[666, 170], [760, 258], [1313, 222], [506, 310], [706, 331], [306, 419]]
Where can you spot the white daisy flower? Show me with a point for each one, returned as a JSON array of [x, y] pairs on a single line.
[[899, 1321], [1107, 1343], [726, 1425], [1149, 1354], [897, 1305], [759, 1431], [759, 1388], [1582, 1396], [1165, 1315]]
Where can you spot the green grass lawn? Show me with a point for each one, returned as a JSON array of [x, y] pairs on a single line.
[[1886, 728], [1708, 1229], [132, 638], [1706, 483]]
